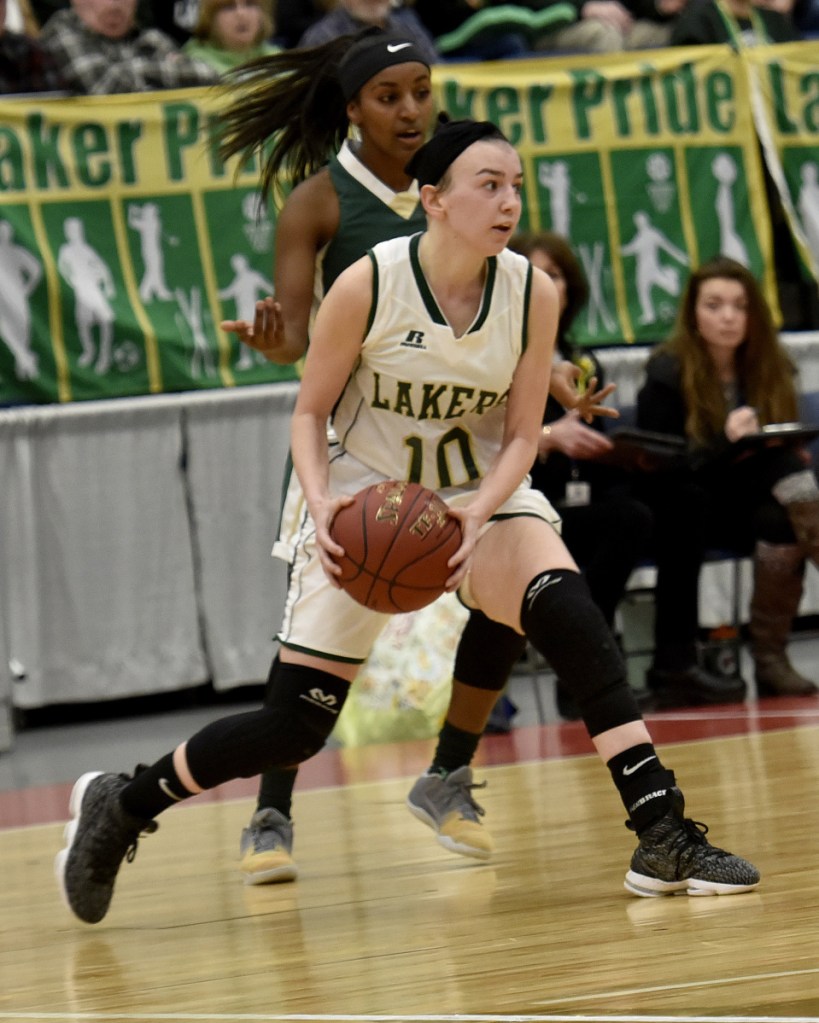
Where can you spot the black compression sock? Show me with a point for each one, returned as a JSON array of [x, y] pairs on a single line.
[[276, 790], [153, 789], [634, 763], [456, 748], [643, 784]]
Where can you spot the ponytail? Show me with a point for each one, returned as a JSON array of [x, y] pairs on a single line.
[[289, 108]]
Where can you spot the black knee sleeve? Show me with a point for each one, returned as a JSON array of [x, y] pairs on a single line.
[[562, 621], [272, 677], [301, 708], [487, 652]]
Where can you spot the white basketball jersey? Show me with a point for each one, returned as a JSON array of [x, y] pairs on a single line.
[[421, 403]]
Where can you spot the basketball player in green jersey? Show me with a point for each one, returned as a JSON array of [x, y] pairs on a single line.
[[486, 320], [344, 202]]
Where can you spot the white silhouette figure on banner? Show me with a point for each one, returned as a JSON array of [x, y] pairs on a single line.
[[92, 282], [661, 187], [555, 177], [724, 169], [191, 308], [146, 220], [591, 256], [807, 206], [258, 227], [246, 287], [20, 273], [646, 245]]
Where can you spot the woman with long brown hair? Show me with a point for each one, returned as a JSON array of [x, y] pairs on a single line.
[[721, 377]]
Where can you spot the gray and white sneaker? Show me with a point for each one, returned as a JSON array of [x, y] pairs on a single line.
[[445, 803], [99, 837], [266, 847], [675, 858]]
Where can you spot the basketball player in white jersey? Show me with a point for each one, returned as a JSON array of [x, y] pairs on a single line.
[[343, 203], [459, 288]]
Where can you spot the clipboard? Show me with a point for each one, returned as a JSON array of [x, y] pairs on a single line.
[[790, 434], [644, 450]]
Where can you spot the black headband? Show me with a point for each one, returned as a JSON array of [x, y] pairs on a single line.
[[371, 54], [429, 164]]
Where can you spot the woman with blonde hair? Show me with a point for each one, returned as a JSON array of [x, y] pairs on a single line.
[[231, 32], [720, 378]]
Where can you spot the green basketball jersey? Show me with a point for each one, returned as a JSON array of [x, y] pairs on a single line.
[[370, 212]]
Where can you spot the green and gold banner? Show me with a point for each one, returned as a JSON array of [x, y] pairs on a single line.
[[123, 243], [648, 163], [124, 240]]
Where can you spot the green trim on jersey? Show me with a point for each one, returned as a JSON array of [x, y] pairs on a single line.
[[527, 301], [488, 289], [432, 306], [322, 653], [502, 516], [364, 221], [374, 293]]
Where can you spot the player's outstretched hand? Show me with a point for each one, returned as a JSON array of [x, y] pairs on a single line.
[[266, 333], [563, 387], [590, 404]]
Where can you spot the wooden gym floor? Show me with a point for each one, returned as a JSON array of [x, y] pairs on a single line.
[[385, 925]]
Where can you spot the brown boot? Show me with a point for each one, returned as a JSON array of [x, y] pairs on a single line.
[[804, 516], [778, 576]]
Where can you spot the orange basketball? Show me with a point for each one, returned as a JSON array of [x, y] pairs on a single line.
[[397, 539]]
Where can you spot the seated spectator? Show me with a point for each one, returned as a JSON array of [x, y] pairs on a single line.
[[721, 377], [606, 529], [231, 32], [24, 66], [43, 9], [609, 26], [738, 22], [99, 50], [351, 16]]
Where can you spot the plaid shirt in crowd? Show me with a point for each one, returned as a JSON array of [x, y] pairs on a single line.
[[141, 61]]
